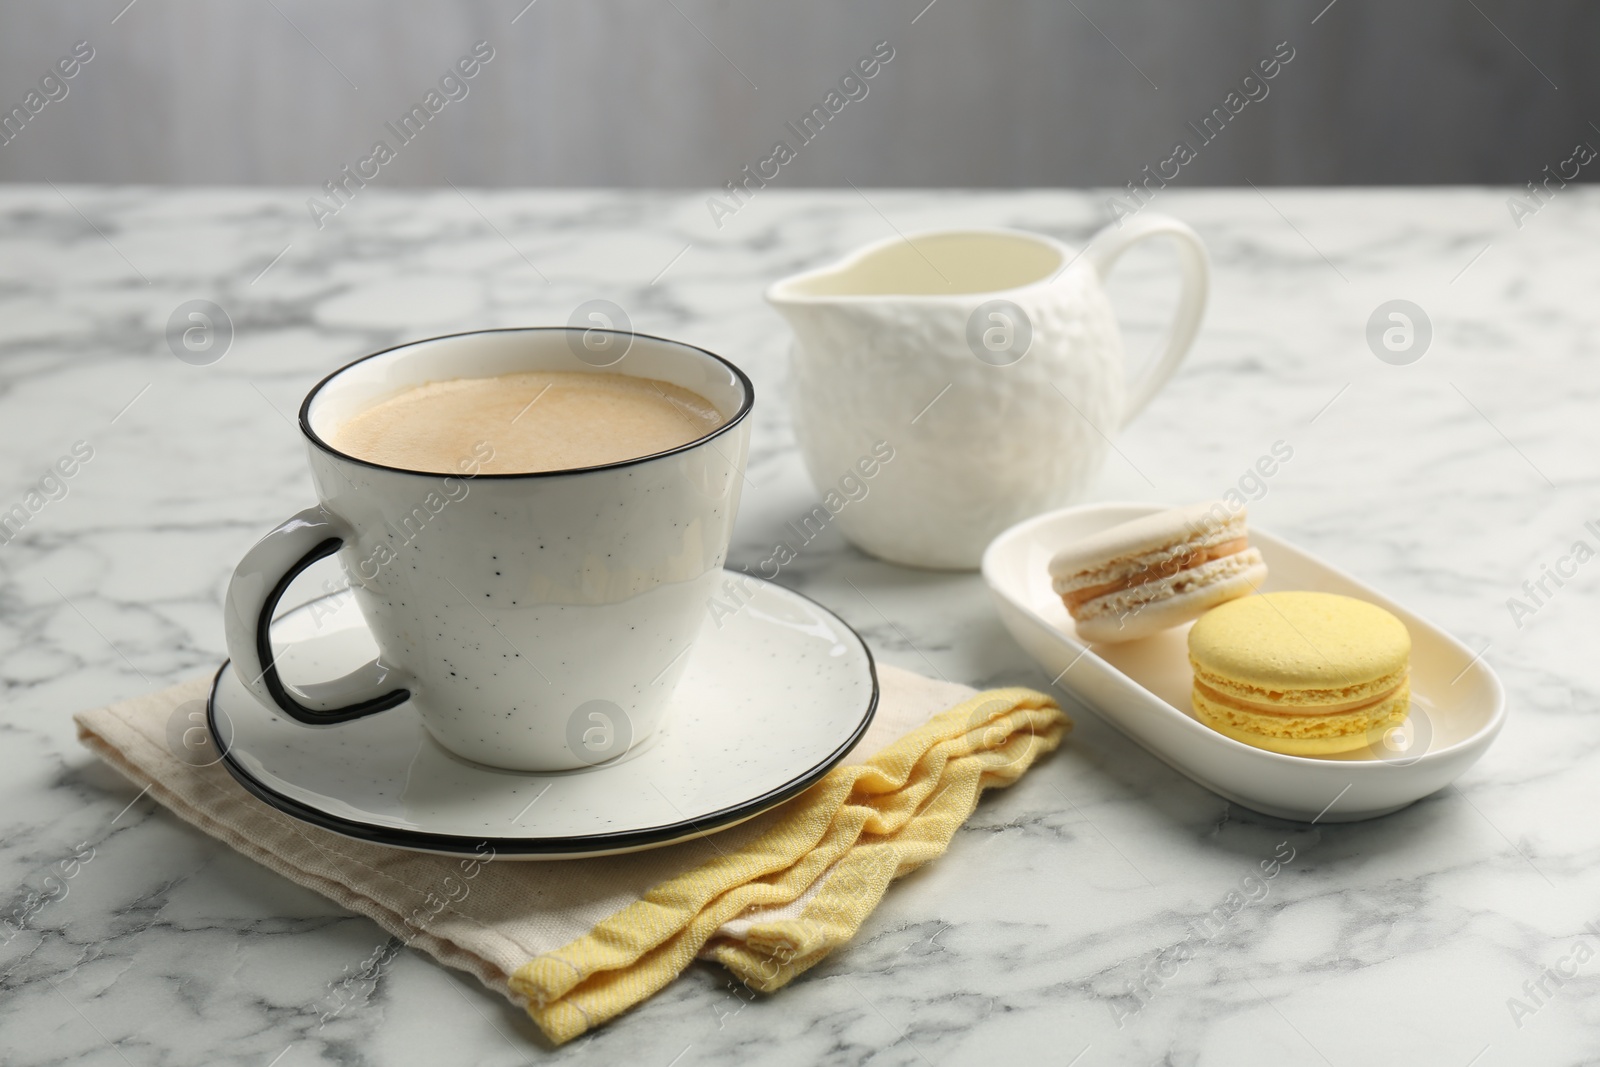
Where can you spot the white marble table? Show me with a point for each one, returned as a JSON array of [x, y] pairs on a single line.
[[1447, 482]]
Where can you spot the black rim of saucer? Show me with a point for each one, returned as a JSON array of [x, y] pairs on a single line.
[[576, 845]]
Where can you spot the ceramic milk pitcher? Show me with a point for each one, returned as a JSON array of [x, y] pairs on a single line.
[[987, 365]]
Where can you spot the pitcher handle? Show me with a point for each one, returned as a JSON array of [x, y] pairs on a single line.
[[1103, 252]]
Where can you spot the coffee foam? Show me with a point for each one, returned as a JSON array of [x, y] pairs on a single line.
[[533, 421]]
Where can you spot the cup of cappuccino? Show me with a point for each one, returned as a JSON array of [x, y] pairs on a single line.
[[531, 521]]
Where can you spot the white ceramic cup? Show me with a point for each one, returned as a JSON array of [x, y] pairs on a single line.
[[988, 360], [536, 622]]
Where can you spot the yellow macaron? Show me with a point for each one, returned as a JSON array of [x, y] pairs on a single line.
[[1307, 674]]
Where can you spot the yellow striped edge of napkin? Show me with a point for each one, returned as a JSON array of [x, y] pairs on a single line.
[[869, 822]]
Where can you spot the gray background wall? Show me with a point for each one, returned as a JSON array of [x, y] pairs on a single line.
[[685, 92]]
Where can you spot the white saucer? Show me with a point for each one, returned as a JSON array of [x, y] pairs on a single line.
[[1142, 687], [771, 700]]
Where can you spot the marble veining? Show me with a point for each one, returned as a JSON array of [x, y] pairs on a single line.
[[1105, 910]]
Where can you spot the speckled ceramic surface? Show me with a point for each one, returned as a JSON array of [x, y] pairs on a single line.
[[774, 695], [550, 596]]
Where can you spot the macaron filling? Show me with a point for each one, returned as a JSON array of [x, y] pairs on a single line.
[[1307, 735], [1157, 572], [1354, 693], [1310, 706]]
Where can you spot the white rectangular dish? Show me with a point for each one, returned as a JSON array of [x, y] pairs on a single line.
[[1142, 687]]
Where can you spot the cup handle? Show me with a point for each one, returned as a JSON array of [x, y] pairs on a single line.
[[258, 583], [1103, 252]]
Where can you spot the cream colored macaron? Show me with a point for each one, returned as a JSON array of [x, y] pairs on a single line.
[[1158, 571], [1307, 674]]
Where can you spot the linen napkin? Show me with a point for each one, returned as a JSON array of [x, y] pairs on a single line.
[[576, 942]]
